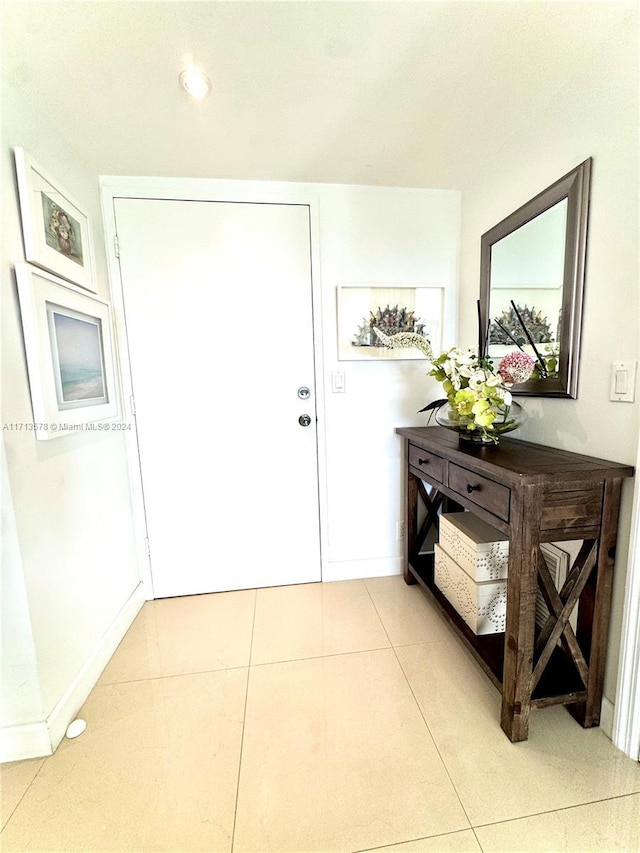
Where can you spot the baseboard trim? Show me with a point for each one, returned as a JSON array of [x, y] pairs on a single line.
[[28, 741], [607, 714], [346, 570], [37, 740]]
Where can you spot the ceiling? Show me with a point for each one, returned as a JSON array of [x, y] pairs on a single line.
[[388, 93]]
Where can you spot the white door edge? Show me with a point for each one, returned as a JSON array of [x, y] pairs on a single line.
[[207, 190], [124, 371], [626, 722]]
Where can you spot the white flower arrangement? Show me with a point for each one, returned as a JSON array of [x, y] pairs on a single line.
[[478, 396]]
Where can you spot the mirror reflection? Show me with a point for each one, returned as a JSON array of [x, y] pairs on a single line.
[[527, 268], [531, 284]]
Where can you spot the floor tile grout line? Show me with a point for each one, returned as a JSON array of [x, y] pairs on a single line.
[[4, 825], [431, 735], [263, 663], [435, 742], [473, 826], [475, 835], [431, 645], [321, 657], [402, 645], [170, 675], [411, 841], [559, 809], [244, 722], [253, 626], [424, 719], [384, 627]]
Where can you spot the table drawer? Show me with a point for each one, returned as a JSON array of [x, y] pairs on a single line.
[[491, 496], [432, 466]]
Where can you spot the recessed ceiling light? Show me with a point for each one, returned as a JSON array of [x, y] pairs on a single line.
[[195, 83]]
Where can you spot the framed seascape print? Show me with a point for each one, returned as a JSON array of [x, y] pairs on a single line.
[[56, 232], [392, 308], [69, 347]]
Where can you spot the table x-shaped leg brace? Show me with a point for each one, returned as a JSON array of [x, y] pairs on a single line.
[[432, 503], [561, 605]]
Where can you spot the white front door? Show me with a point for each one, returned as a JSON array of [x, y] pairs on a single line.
[[218, 307]]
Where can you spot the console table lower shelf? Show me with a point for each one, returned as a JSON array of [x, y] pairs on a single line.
[[560, 683], [533, 494]]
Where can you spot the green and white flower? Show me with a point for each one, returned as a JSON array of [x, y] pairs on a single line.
[[479, 398]]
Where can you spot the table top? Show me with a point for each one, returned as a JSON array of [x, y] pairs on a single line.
[[513, 460]]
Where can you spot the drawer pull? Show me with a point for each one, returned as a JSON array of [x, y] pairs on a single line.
[[423, 461], [471, 488]]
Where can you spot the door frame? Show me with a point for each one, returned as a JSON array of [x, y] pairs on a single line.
[[214, 190]]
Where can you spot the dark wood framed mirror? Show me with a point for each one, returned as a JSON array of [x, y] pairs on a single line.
[[532, 284]]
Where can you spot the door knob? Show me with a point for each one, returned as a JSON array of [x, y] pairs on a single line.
[[304, 393], [304, 420]]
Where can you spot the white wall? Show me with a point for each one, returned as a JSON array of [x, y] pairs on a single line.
[[371, 235], [594, 115], [69, 568], [360, 235], [20, 685]]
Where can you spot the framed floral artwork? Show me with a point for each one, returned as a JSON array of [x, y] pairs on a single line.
[[69, 347], [393, 308], [55, 231]]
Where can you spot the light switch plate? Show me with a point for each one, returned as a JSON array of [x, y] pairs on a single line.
[[337, 381], [623, 381]]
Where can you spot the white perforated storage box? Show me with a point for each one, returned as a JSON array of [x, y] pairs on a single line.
[[483, 606], [477, 547]]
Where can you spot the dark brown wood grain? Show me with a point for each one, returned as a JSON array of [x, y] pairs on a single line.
[[521, 611], [411, 521], [533, 494], [427, 463], [488, 494], [513, 460], [589, 715], [561, 606]]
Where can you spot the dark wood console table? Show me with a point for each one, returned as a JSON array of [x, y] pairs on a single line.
[[533, 494]]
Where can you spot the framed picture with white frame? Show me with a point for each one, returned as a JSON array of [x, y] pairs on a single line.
[[56, 232], [69, 348], [393, 308]]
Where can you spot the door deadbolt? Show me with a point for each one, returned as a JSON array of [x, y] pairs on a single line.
[[304, 393], [304, 420]]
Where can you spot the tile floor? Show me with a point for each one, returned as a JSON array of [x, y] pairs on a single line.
[[324, 717]]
